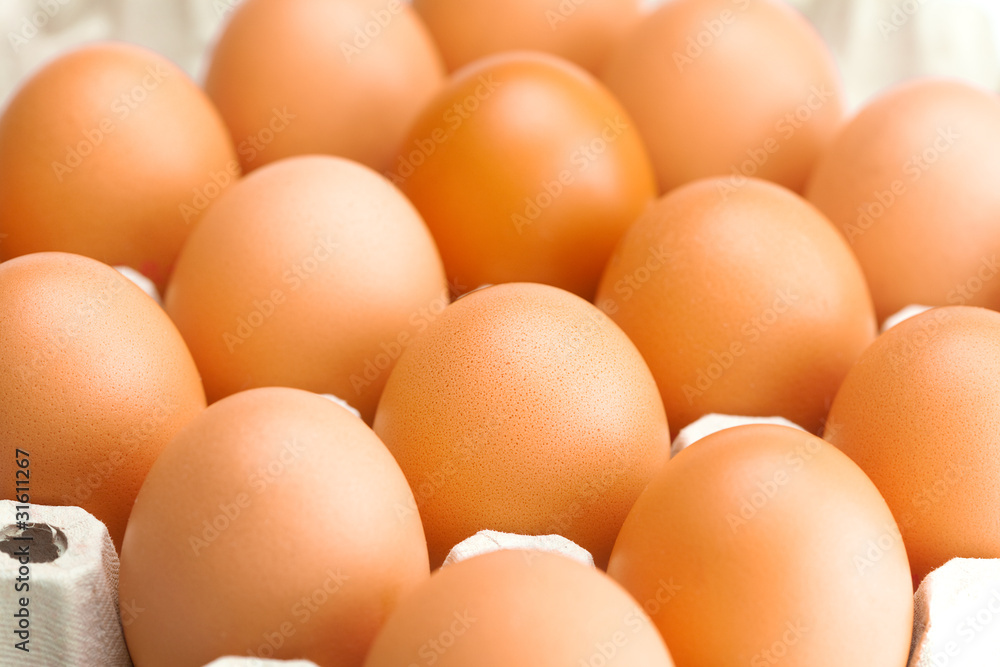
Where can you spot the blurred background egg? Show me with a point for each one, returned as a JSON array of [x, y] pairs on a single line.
[[525, 169], [728, 87], [524, 608], [743, 301], [111, 152], [94, 382], [910, 182], [762, 545], [583, 32], [523, 409], [920, 413], [339, 77], [314, 273], [270, 527]]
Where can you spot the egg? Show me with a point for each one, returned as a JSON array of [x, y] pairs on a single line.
[[526, 170], [743, 301], [94, 382], [525, 608], [112, 152], [338, 77], [583, 32], [909, 182], [523, 409], [762, 545], [920, 413], [314, 273], [269, 527], [733, 88]]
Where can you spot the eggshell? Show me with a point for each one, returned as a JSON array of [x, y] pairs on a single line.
[[583, 32], [763, 545], [525, 169], [339, 77], [312, 273], [920, 413], [94, 381], [728, 87], [910, 183], [524, 608], [112, 152], [743, 301], [269, 527], [523, 409]]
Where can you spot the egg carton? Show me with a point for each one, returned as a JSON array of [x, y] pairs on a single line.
[[64, 569]]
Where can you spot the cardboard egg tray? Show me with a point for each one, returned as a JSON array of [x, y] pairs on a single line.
[[73, 615]]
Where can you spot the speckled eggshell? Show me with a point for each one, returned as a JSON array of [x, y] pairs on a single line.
[[744, 301], [94, 382], [523, 409], [315, 273], [911, 183], [763, 545], [920, 413], [112, 152], [728, 87], [524, 608], [270, 527]]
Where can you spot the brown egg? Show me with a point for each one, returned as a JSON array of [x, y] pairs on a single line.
[[269, 527], [581, 31], [113, 153], [910, 182], [728, 87], [524, 608], [762, 545], [523, 409], [920, 413], [525, 169], [312, 273], [340, 77], [743, 301], [94, 382]]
